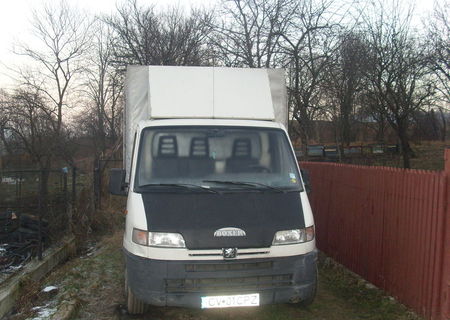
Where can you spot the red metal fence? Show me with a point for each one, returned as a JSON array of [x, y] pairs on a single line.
[[391, 226]]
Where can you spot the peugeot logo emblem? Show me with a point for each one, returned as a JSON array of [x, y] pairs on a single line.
[[229, 253], [229, 232]]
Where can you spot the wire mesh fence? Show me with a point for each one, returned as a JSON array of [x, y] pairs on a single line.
[[35, 210]]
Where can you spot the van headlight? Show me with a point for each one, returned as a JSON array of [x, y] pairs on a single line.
[[167, 240], [158, 239], [293, 236]]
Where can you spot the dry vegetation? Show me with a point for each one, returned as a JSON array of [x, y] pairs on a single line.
[[428, 155]]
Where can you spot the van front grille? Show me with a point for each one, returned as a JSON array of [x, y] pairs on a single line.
[[227, 284], [212, 267]]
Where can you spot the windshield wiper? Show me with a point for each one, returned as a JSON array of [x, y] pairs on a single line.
[[179, 185], [246, 183]]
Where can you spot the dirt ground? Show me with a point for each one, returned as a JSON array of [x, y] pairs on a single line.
[[95, 282]]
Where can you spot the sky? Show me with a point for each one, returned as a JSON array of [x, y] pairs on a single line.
[[15, 16]]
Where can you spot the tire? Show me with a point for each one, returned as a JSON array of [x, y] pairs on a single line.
[[310, 299], [134, 305], [125, 287]]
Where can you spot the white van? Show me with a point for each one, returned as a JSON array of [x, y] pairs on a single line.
[[217, 212]]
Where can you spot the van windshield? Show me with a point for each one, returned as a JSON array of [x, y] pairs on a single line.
[[212, 158]]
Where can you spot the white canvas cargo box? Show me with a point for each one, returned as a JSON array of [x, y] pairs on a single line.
[[166, 92]]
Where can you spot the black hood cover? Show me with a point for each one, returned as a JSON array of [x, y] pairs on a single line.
[[197, 215]]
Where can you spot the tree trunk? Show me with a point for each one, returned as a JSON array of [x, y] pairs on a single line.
[[303, 137], [444, 125], [381, 125], [43, 187], [406, 150], [345, 123], [303, 123], [101, 129]]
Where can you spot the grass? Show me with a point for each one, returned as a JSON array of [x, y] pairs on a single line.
[[368, 301], [429, 155]]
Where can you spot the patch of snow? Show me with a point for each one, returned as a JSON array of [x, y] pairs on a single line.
[[11, 180], [89, 252], [39, 307], [49, 289], [370, 286], [14, 268], [43, 312], [2, 250]]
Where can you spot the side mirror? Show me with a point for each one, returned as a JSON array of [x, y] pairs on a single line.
[[117, 185], [306, 181]]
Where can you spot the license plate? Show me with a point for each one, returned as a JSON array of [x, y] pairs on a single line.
[[241, 300]]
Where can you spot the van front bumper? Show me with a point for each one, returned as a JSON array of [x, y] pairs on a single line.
[[183, 283]]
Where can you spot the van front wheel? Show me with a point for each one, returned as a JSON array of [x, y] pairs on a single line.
[[310, 299], [134, 305]]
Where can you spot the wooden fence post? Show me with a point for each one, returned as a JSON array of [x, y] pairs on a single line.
[[445, 292]]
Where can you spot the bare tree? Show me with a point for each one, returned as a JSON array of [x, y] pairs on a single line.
[[307, 45], [439, 35], [439, 40], [249, 31], [144, 36], [399, 74], [344, 81], [60, 41], [372, 115], [4, 118], [103, 88], [30, 127]]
